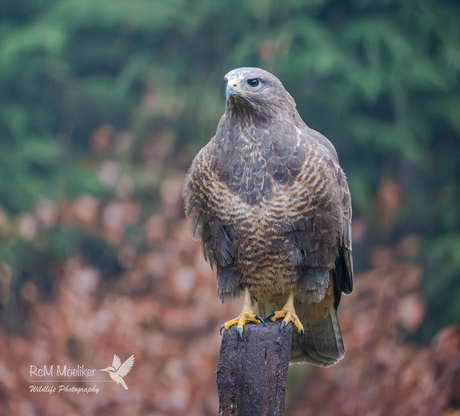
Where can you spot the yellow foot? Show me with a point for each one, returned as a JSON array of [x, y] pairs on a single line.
[[241, 320], [289, 315]]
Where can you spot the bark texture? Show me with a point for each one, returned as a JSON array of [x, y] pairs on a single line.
[[252, 372]]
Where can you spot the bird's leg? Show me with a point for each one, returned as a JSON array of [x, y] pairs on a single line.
[[289, 315], [247, 314]]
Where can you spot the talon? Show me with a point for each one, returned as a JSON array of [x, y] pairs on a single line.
[[269, 316], [260, 319], [283, 324], [288, 314], [246, 315], [221, 328]]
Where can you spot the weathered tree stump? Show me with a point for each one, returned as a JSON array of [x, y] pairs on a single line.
[[252, 372]]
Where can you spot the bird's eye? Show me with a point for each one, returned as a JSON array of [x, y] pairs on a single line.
[[253, 82]]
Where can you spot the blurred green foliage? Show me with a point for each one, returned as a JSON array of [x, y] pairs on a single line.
[[379, 78]]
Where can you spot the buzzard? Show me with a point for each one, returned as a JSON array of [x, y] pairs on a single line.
[[271, 205]]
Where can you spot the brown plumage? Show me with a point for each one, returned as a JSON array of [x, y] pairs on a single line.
[[271, 205]]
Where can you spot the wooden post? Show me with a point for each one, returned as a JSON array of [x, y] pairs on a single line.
[[252, 372]]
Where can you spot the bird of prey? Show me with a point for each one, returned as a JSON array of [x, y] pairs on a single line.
[[118, 370], [271, 205]]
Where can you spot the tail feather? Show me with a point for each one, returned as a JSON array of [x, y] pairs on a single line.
[[322, 344]]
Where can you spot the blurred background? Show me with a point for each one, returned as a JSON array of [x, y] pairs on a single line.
[[103, 105]]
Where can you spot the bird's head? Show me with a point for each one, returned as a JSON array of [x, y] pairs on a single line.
[[108, 369], [256, 91]]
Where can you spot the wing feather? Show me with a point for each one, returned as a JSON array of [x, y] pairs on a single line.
[[201, 195], [126, 367], [321, 232], [116, 361]]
